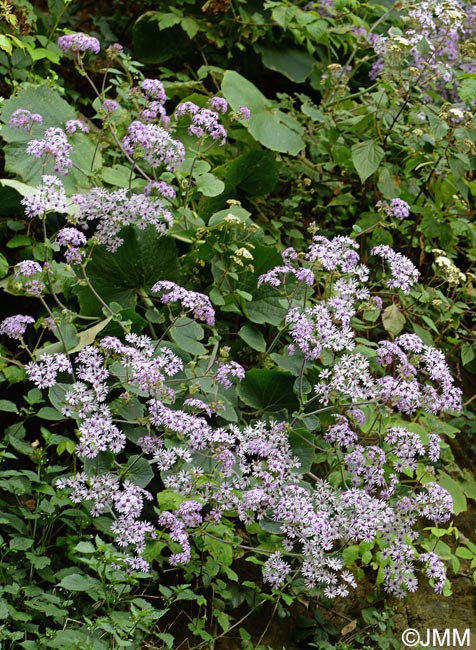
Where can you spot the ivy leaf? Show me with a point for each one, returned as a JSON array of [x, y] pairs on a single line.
[[221, 551], [20, 543], [22, 188], [302, 445], [68, 340], [3, 266], [367, 157], [117, 175], [169, 500], [190, 26], [167, 638]]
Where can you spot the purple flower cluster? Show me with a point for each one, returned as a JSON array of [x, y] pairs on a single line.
[[49, 196], [76, 125], [153, 144], [243, 113], [147, 367], [204, 120], [340, 433], [440, 27], [406, 447], [154, 93], [420, 377], [106, 494], [26, 269], [339, 253], [114, 210], [109, 106], [278, 276], [227, 370], [161, 188], [73, 239], [403, 272], [194, 429], [434, 503], [98, 433], [54, 143], [44, 373], [178, 534], [198, 405], [154, 89], [435, 570], [24, 119], [314, 330], [191, 301], [25, 272], [395, 208], [15, 326], [251, 470], [326, 326], [349, 378], [275, 570], [79, 42]]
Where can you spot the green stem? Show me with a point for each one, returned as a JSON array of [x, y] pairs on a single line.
[[98, 297], [58, 18]]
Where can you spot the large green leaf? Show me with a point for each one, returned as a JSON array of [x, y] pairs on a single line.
[[393, 319], [367, 157], [268, 390], [455, 489], [467, 90], [187, 334], [209, 184], [253, 337], [294, 63], [265, 307], [143, 259], [267, 124], [255, 172], [80, 582], [139, 471], [55, 111]]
